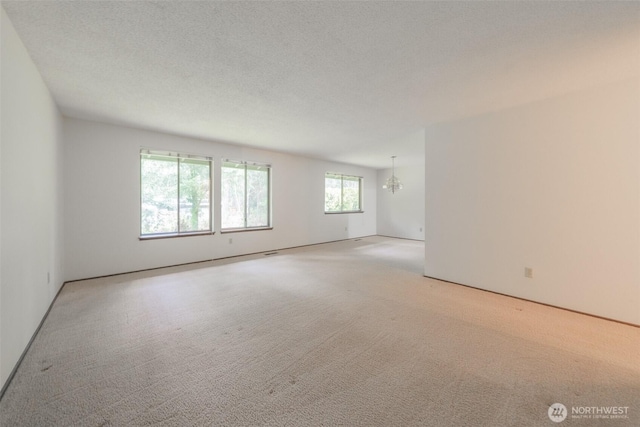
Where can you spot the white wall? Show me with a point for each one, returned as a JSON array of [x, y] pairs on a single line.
[[102, 202], [552, 185], [31, 199], [402, 214]]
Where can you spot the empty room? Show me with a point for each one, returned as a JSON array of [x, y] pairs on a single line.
[[319, 213]]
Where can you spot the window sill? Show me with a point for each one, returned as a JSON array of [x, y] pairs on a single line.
[[242, 230], [343, 212], [175, 235]]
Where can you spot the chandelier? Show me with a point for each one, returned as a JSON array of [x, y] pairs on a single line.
[[393, 183]]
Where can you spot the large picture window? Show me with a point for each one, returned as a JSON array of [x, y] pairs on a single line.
[[175, 194], [342, 193], [246, 198]]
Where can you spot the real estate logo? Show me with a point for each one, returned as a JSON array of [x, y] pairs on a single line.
[[557, 412]]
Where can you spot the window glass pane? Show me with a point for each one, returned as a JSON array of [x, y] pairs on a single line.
[[194, 195], [332, 193], [232, 203], [350, 193], [175, 193], [342, 193], [159, 195], [257, 196]]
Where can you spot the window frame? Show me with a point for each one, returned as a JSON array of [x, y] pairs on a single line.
[[179, 156], [342, 176], [247, 164]]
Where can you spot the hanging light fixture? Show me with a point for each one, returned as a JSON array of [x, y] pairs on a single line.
[[393, 183]]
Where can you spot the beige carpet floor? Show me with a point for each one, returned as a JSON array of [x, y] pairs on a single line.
[[340, 334]]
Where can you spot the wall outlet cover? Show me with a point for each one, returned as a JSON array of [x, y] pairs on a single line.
[[528, 272]]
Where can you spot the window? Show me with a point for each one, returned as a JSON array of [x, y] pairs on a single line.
[[175, 194], [342, 193], [246, 199]]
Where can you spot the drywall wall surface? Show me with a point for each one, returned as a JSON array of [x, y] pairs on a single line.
[[553, 186], [31, 248], [401, 214], [102, 198]]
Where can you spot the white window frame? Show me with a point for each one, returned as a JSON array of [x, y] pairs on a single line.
[[179, 156], [342, 177], [268, 167]]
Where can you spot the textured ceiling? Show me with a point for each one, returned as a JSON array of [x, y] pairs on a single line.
[[347, 81]]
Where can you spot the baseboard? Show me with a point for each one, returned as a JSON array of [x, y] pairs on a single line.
[[536, 302], [217, 259], [5, 386], [401, 238]]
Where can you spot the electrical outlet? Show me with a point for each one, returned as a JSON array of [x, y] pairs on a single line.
[[48, 277], [346, 229], [230, 240], [528, 272], [421, 229]]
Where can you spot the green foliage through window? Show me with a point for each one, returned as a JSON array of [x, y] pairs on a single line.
[[175, 194], [342, 193], [245, 194]]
